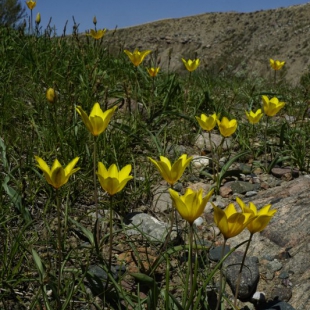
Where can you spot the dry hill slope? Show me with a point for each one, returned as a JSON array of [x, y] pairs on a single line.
[[245, 41]]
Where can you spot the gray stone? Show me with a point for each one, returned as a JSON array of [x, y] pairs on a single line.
[[274, 265], [161, 200], [215, 253], [203, 141], [242, 187], [147, 225], [250, 193], [249, 275], [199, 163]]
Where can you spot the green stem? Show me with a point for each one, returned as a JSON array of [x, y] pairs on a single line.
[[265, 138], [190, 253], [219, 154], [59, 248], [221, 277], [212, 151], [95, 190], [111, 232], [240, 271], [173, 212]]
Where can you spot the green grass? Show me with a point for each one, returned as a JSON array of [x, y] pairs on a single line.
[[83, 72]]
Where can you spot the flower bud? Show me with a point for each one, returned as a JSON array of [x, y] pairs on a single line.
[[38, 19], [95, 20], [51, 95]]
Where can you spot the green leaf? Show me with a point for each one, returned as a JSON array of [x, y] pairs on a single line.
[[85, 231]]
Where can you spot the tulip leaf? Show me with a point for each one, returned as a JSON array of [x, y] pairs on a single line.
[[38, 263], [85, 231], [16, 199]]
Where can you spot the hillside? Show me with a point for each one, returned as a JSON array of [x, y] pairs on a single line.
[[244, 41]]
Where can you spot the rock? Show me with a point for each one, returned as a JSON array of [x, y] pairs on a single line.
[[96, 277], [162, 201], [242, 187], [250, 193], [249, 277], [203, 141], [281, 293], [199, 185], [286, 174], [215, 253], [152, 228], [288, 233], [199, 163], [274, 265], [225, 191]]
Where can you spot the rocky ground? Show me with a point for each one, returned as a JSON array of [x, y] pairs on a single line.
[[278, 257]]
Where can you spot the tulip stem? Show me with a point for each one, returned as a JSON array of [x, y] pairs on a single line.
[[212, 151], [190, 253], [265, 138], [240, 271], [111, 232], [221, 277], [95, 189], [59, 249]]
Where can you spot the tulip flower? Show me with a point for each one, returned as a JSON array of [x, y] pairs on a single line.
[[137, 57], [207, 122], [262, 217], [173, 173], [51, 95], [272, 106], [230, 222], [191, 205], [191, 65], [254, 118], [276, 64], [97, 121], [57, 176], [38, 19], [97, 34], [227, 127], [31, 4], [112, 180], [153, 71]]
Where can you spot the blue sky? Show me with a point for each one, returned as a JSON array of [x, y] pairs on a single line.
[[126, 13]]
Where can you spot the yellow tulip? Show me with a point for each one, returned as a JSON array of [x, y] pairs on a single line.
[[230, 222], [173, 173], [137, 57], [254, 117], [98, 121], [191, 205], [31, 4], [276, 64], [272, 106], [191, 65], [153, 71], [38, 19], [207, 122], [51, 95], [227, 127], [112, 180], [262, 217], [97, 34], [57, 176]]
